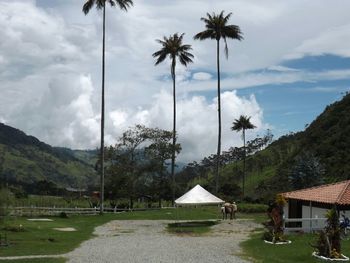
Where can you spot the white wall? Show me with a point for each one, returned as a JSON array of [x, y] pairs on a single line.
[[315, 213]]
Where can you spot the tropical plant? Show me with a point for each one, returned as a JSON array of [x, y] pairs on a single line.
[[243, 124], [173, 48], [101, 4], [328, 243], [217, 29], [274, 227]]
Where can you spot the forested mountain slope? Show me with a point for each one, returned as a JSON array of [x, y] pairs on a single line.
[[25, 161]]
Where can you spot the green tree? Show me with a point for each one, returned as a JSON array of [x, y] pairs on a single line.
[[101, 4], [158, 152], [125, 162], [243, 124], [217, 29], [306, 172], [173, 48]]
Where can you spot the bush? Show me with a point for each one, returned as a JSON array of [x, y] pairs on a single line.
[[6, 198], [63, 215]]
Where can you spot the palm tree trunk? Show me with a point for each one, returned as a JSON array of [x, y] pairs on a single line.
[[217, 172], [244, 155], [174, 137], [102, 179]]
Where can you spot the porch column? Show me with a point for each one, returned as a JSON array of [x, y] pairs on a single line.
[[310, 216]]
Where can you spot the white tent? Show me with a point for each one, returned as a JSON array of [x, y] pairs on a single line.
[[198, 196]]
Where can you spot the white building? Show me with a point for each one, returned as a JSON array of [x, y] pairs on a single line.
[[306, 209]]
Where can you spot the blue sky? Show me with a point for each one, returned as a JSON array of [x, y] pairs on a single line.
[[288, 68]]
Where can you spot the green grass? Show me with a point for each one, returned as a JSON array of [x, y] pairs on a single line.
[[39, 238], [36, 260], [191, 227], [298, 251]]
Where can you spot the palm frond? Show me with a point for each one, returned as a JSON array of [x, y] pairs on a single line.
[[87, 6], [123, 4], [205, 35], [226, 48]]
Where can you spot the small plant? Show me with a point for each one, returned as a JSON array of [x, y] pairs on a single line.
[[14, 228], [63, 215], [274, 227], [328, 242]]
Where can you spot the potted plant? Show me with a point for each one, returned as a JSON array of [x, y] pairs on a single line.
[[274, 233], [328, 245]]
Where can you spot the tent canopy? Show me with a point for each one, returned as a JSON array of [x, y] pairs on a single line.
[[198, 196]]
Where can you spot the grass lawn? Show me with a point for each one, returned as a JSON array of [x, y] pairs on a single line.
[[298, 251], [39, 238]]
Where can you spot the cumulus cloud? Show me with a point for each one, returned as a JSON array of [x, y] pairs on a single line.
[[196, 121], [50, 65]]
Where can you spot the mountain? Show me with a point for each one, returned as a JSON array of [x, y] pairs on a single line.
[[320, 154], [25, 161]]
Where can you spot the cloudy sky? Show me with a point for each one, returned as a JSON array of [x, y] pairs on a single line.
[[294, 60]]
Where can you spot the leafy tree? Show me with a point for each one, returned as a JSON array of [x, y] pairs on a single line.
[[243, 124], [307, 171], [125, 162], [158, 152], [173, 48], [217, 28], [101, 4]]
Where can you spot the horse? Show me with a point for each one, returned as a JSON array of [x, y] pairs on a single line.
[[229, 208]]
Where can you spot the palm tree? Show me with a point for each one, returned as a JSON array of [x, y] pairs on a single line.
[[243, 124], [217, 28], [173, 48], [101, 4]]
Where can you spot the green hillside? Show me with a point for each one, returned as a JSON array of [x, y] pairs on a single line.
[[320, 154], [291, 162], [25, 161]]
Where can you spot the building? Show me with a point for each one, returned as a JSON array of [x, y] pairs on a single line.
[[306, 208]]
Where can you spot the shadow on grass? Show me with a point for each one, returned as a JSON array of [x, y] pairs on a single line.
[[191, 227]]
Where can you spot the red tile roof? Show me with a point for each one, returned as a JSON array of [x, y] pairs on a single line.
[[336, 193]]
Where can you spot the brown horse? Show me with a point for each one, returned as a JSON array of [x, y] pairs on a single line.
[[229, 209]]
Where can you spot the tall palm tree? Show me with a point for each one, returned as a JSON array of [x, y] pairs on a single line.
[[101, 4], [173, 48], [217, 28], [243, 124]]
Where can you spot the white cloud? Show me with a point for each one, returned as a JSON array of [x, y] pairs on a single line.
[[50, 65], [196, 121], [201, 76]]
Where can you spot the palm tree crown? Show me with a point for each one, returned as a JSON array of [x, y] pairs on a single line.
[[217, 28], [173, 48], [123, 4], [243, 123]]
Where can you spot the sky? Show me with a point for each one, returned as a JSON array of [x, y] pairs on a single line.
[[293, 62]]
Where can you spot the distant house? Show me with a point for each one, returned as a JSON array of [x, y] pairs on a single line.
[[76, 192], [306, 209]]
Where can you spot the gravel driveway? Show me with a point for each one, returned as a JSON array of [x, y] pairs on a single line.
[[147, 241]]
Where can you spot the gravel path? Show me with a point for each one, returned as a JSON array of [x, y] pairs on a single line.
[[145, 241]]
